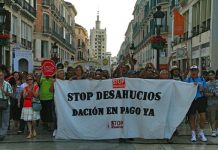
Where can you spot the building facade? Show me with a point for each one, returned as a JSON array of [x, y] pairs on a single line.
[[18, 55], [98, 41], [200, 34], [125, 51], [196, 46], [82, 43], [143, 29], [54, 25]]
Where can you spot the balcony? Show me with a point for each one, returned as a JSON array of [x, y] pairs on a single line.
[[162, 1], [145, 39], [55, 11], [136, 28], [46, 3], [29, 8], [66, 43], [19, 2], [26, 7], [183, 2], [46, 30]]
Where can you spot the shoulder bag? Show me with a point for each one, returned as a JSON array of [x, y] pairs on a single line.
[[36, 104]]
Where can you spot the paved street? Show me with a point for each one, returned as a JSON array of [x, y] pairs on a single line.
[[44, 140]]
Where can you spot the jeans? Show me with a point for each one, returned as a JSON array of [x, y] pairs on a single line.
[[5, 116]]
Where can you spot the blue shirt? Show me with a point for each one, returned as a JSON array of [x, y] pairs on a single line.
[[212, 88], [200, 81]]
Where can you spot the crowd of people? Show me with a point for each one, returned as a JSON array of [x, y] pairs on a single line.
[[20, 88]]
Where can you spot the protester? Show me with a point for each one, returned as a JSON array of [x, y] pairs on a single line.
[[175, 73], [204, 74], [217, 74], [70, 73], [20, 101], [28, 114], [164, 74], [60, 66], [131, 74], [5, 93], [198, 105], [149, 72], [106, 74], [91, 75], [79, 73], [17, 90], [47, 101], [99, 74], [122, 70], [60, 75], [212, 94]]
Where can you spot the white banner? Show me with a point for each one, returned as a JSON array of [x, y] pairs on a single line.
[[121, 108]]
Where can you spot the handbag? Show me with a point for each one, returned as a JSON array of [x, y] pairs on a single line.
[[3, 102], [36, 104]]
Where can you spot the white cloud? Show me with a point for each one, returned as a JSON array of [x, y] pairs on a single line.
[[115, 16]]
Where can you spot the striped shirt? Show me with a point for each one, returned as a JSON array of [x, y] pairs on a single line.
[[7, 88]]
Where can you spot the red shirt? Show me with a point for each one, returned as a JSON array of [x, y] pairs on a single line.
[[28, 99]]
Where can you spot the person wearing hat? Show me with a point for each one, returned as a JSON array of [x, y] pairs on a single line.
[[131, 74], [164, 74], [175, 73], [199, 104], [60, 66]]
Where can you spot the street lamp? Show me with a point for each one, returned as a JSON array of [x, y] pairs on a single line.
[[54, 53], [158, 16], [72, 58], [132, 60], [2, 17]]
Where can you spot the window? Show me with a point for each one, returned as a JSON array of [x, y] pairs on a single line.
[[29, 37], [45, 23], [64, 33], [14, 30], [78, 43], [196, 18], [26, 35], [44, 49]]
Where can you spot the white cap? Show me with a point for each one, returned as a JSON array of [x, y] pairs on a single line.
[[194, 67], [174, 68]]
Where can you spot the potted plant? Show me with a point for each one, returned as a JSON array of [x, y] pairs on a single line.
[[158, 42]]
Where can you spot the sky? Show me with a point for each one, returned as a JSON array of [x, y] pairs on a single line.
[[115, 16]]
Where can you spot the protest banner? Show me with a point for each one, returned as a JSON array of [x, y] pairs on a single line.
[[121, 108]]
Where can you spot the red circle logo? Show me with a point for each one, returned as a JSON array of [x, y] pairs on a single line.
[[48, 68]]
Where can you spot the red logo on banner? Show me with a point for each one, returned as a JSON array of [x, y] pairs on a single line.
[[48, 68], [119, 83], [116, 124]]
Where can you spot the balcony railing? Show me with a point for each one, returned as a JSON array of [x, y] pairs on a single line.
[[26, 6], [29, 8], [20, 2], [71, 47], [55, 10], [162, 1], [46, 29], [46, 3]]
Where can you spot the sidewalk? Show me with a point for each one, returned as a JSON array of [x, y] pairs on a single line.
[[45, 136]]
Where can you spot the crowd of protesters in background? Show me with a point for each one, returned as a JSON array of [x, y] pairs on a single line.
[[21, 88]]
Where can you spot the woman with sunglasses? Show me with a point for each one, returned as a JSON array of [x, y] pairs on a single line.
[[28, 114]]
